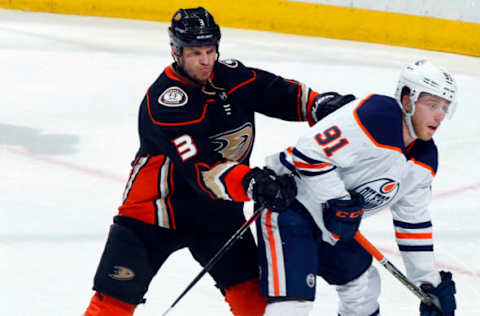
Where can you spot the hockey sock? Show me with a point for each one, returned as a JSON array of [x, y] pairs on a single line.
[[104, 305], [245, 300], [297, 308]]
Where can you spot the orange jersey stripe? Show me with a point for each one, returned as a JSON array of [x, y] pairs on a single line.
[[414, 236], [407, 150], [144, 211], [421, 164], [310, 166], [180, 123], [172, 74], [144, 191], [243, 83]]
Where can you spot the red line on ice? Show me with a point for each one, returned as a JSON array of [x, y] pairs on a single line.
[[68, 165], [109, 176], [440, 265]]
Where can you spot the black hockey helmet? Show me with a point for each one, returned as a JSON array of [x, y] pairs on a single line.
[[193, 27]]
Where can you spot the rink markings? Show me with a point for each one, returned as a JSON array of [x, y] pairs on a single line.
[[110, 176], [65, 164], [105, 175], [439, 264], [449, 193]]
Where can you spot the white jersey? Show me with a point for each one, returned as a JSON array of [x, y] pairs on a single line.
[[360, 147]]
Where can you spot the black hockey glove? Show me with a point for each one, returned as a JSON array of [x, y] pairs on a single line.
[[443, 294], [270, 190], [342, 217], [328, 102]]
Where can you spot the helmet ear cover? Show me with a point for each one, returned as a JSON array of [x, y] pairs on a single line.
[[193, 28]]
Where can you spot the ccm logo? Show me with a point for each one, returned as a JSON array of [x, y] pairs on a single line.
[[344, 214]]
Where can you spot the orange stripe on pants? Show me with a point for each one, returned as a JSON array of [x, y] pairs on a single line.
[[271, 242]]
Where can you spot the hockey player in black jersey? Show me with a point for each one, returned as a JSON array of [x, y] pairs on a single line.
[[191, 174]]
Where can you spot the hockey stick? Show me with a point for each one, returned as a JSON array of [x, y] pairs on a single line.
[[371, 249], [220, 253]]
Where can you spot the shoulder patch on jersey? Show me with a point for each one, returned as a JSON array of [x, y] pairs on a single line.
[[231, 63], [173, 97], [380, 118]]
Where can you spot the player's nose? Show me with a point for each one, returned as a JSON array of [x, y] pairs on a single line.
[[439, 115], [204, 59]]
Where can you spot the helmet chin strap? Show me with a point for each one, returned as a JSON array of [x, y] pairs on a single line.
[[408, 118]]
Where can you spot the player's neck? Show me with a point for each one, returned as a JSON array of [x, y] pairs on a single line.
[[181, 72], [407, 138]]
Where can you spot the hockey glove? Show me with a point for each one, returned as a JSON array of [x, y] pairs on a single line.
[[270, 190], [342, 217], [328, 102], [443, 294]]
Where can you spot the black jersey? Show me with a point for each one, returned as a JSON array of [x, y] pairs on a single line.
[[196, 141]]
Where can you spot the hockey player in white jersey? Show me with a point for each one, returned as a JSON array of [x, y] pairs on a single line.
[[371, 154]]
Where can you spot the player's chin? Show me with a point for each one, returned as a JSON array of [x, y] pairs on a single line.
[[203, 76], [426, 136]]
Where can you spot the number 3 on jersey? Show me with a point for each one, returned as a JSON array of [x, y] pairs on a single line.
[[185, 146], [330, 137]]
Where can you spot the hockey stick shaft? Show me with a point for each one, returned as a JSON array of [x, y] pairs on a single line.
[[220, 253], [371, 249]]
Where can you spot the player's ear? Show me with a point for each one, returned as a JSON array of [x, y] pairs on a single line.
[[407, 103], [174, 53]]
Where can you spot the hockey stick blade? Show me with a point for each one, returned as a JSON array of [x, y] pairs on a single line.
[[371, 249], [220, 253]]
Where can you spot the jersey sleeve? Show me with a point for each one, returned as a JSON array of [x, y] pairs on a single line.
[[282, 98], [267, 93], [315, 160], [413, 224], [328, 145], [177, 130]]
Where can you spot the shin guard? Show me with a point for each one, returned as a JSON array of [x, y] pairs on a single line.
[[245, 300], [104, 305]]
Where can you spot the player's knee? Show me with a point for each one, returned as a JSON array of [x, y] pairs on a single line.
[[297, 308], [124, 270], [359, 297], [245, 300], [104, 305]]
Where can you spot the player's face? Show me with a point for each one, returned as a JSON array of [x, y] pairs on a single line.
[[430, 111], [198, 62]]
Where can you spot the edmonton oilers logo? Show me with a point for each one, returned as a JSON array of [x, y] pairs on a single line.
[[310, 280], [378, 193]]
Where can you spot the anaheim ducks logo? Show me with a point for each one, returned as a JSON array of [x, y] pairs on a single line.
[[122, 273], [378, 193], [173, 96], [234, 144]]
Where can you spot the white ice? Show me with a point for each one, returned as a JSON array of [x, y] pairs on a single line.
[[70, 89]]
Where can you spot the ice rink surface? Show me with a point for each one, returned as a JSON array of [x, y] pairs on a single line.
[[70, 90]]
